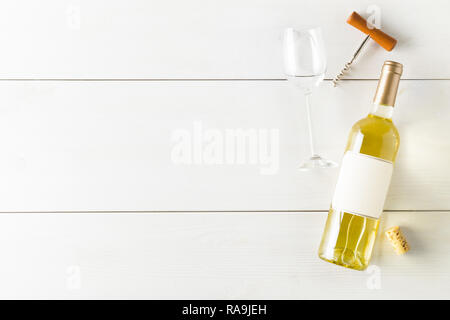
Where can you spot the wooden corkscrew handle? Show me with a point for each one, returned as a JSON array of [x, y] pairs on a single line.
[[384, 40]]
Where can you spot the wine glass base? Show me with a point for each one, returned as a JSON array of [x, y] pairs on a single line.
[[316, 162]]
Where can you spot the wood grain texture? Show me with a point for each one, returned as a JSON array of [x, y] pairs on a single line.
[[107, 146], [211, 256], [208, 39]]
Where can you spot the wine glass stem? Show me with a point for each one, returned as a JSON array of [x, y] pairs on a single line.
[[310, 128]]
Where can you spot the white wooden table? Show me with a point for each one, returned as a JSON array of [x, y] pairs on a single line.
[[93, 205]]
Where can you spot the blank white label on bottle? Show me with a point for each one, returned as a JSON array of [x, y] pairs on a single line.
[[362, 185]]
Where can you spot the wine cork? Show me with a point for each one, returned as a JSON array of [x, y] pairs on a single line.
[[398, 240]]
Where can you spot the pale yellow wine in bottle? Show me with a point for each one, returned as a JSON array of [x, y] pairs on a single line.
[[364, 179]]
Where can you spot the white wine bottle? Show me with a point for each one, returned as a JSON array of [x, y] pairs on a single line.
[[364, 179]]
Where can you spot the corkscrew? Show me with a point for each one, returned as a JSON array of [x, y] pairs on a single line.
[[384, 40]]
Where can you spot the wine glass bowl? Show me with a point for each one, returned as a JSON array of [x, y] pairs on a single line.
[[304, 57]]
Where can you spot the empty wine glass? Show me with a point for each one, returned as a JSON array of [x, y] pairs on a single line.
[[305, 64]]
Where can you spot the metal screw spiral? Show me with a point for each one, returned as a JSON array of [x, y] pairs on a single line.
[[347, 65], [341, 74]]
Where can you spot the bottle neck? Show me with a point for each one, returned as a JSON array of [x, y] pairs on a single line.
[[387, 88], [382, 111]]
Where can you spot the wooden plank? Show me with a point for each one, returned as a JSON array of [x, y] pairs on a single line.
[[109, 146], [207, 39], [211, 256]]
